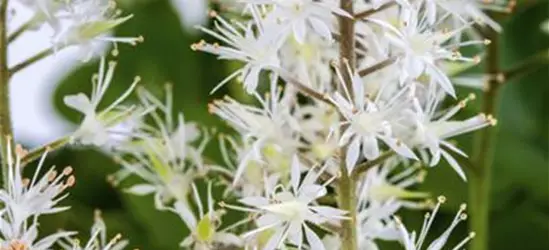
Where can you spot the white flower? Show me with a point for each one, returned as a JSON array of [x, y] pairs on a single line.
[[296, 16], [412, 241], [382, 192], [432, 129], [285, 212], [26, 200], [257, 51], [167, 179], [94, 129], [463, 11], [204, 234], [44, 11], [367, 122], [419, 47], [174, 135], [310, 61], [162, 153], [88, 22], [98, 238], [270, 130], [258, 176]]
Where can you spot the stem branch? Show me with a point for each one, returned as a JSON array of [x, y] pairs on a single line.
[[19, 31], [41, 55], [304, 89], [38, 152], [363, 167], [367, 13], [376, 67]]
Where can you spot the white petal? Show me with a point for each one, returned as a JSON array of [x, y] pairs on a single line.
[[275, 240], [227, 238], [313, 239], [300, 30], [454, 164], [267, 219], [254, 201], [295, 234], [141, 189], [329, 212], [400, 148], [352, 154], [186, 214], [321, 28], [296, 173], [441, 79], [252, 79], [370, 148], [79, 102], [435, 152]]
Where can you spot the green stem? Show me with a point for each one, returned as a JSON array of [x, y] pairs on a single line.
[[346, 184], [480, 179], [376, 67], [19, 31], [41, 55], [370, 12], [363, 167], [38, 152], [5, 119]]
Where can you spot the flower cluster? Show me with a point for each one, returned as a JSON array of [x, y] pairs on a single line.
[[25, 200], [357, 107], [82, 23]]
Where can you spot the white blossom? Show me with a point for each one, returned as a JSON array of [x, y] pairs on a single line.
[[257, 50], [463, 11], [26, 200], [433, 129], [88, 23], [98, 238], [420, 47], [163, 154], [413, 241], [296, 16], [367, 122], [270, 129], [94, 129], [285, 212], [204, 226], [382, 192]]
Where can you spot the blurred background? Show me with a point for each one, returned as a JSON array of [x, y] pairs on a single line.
[[520, 188]]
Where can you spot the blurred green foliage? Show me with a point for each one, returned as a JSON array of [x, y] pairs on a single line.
[[520, 195]]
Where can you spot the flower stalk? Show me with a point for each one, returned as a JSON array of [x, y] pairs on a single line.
[[5, 118], [481, 176], [346, 186]]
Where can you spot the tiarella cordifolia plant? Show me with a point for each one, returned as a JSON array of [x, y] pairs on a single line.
[[348, 117]]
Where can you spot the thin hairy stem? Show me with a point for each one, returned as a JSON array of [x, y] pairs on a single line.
[[5, 118], [376, 67], [38, 152], [346, 185], [481, 177], [304, 89], [369, 12], [41, 55], [19, 31], [363, 167]]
